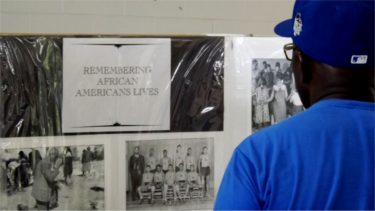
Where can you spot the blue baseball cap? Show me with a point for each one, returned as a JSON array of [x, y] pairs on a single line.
[[338, 33]]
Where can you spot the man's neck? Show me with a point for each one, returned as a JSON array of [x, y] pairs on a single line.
[[364, 95], [329, 82]]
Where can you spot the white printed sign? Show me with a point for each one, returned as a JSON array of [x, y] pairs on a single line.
[[116, 84]]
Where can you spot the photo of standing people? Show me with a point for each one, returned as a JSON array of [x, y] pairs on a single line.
[[273, 94], [170, 174], [52, 178]]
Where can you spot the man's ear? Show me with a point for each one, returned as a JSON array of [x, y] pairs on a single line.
[[302, 64], [297, 66], [302, 75]]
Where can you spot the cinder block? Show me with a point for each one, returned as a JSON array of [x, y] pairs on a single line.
[[94, 7], [61, 24], [42, 23], [14, 23], [262, 29], [231, 27], [31, 6], [153, 8], [124, 25], [14, 6], [183, 26], [77, 24], [269, 10], [46, 6], [215, 9]]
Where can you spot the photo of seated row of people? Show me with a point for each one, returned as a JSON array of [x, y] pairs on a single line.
[[158, 175], [274, 97]]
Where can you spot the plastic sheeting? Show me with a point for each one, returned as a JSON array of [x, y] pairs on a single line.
[[197, 84], [196, 93], [30, 78], [31, 85]]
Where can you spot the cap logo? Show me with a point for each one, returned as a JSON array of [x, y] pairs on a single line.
[[297, 27], [359, 59]]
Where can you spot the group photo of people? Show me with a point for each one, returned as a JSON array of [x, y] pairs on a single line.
[[46, 178], [274, 96], [177, 173]]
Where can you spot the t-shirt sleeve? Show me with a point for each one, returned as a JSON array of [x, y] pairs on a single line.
[[238, 189]]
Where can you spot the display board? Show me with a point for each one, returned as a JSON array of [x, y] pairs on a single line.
[[113, 84], [212, 94]]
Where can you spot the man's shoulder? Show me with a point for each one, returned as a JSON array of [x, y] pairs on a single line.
[[284, 131], [328, 116]]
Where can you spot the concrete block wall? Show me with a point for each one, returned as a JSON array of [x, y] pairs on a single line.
[[255, 17]]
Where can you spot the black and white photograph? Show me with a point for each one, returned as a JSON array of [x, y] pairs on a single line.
[[52, 178], [274, 96], [175, 174]]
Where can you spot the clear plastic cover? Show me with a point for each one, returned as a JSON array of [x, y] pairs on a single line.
[[103, 173], [31, 85], [30, 79]]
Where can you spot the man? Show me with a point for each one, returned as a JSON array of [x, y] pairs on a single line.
[[3, 181], [165, 161], [266, 74], [158, 178], [204, 170], [255, 73], [190, 160], [152, 161], [193, 179], [178, 158], [285, 74], [147, 185], [269, 76], [45, 174], [181, 182], [34, 157], [322, 158], [68, 165], [169, 183], [136, 169], [86, 161]]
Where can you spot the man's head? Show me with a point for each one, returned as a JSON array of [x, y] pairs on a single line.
[[151, 152], [189, 151], [264, 65], [136, 150], [178, 148], [204, 150], [261, 82], [192, 167], [277, 65], [181, 167], [147, 169], [333, 52], [255, 64], [170, 167], [158, 168], [165, 153]]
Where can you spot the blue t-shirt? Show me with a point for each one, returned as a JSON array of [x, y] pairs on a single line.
[[322, 158]]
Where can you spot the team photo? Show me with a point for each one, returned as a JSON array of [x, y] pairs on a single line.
[[170, 173]]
